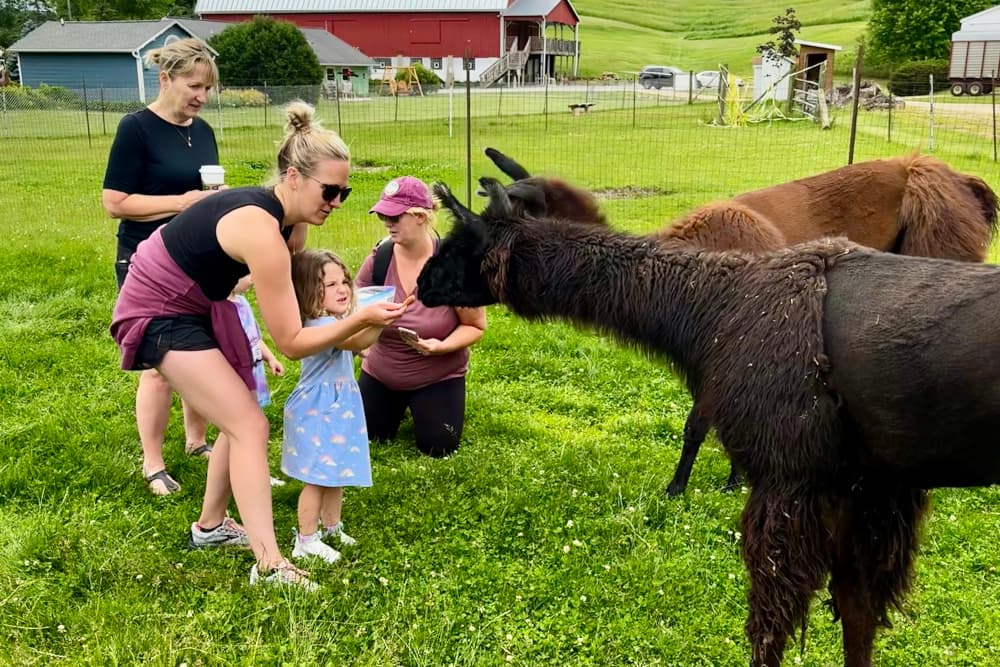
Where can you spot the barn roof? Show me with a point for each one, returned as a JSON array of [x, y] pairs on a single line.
[[352, 6], [330, 50], [517, 8], [94, 36], [536, 8]]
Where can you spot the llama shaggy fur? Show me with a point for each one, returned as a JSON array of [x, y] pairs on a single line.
[[843, 381]]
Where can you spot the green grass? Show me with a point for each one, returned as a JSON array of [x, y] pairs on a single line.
[[546, 540], [624, 36]]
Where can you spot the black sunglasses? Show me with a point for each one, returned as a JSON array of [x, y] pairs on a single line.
[[331, 192]]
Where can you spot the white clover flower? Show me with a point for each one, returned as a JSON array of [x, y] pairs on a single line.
[[731, 576], [577, 543], [569, 524], [383, 581], [61, 628], [583, 598], [565, 548]]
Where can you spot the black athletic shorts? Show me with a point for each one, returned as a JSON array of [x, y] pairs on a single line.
[[179, 332]]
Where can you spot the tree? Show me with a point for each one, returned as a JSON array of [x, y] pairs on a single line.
[[268, 51], [905, 30], [19, 17], [785, 28]]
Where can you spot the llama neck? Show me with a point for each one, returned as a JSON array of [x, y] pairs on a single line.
[[666, 301]]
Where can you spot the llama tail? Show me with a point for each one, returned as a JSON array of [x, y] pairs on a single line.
[[945, 213]]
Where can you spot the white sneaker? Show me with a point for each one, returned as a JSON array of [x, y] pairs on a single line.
[[314, 547], [283, 574], [338, 530]]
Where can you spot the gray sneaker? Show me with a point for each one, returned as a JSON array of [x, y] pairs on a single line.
[[228, 533]]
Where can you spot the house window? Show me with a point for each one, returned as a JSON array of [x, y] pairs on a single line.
[[435, 63], [331, 74], [416, 61], [469, 63], [383, 62]]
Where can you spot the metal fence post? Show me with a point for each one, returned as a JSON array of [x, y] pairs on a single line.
[[858, 64], [86, 112], [930, 114]]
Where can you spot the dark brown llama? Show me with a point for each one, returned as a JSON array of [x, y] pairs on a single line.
[[843, 381], [910, 205]]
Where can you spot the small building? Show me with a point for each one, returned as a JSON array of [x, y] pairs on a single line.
[[101, 57], [491, 39], [974, 64], [347, 69], [770, 80], [813, 54]]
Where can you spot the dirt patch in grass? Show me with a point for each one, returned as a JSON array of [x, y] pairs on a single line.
[[631, 192]]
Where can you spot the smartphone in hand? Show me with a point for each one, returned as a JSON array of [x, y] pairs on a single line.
[[408, 335]]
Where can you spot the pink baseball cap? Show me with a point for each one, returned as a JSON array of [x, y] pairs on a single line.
[[401, 194]]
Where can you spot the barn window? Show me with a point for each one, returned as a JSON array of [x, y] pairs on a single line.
[[383, 62], [435, 63], [469, 63]]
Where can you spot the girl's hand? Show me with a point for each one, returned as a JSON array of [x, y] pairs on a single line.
[[276, 367], [384, 313]]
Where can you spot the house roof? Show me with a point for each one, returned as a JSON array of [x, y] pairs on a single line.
[[93, 36], [345, 6], [330, 50]]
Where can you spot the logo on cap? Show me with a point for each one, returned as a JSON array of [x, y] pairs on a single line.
[[391, 188]]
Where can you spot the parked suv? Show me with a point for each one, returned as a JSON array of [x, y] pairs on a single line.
[[655, 76]]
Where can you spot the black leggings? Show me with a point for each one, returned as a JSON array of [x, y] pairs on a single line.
[[438, 412]]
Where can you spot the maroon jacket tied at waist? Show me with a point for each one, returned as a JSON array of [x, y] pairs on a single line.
[[156, 287]]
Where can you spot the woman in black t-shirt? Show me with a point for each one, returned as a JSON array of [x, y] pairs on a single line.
[[152, 175]]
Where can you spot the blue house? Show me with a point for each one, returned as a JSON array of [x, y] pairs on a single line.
[[105, 58]]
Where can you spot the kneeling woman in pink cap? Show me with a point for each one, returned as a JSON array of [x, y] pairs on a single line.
[[420, 361]]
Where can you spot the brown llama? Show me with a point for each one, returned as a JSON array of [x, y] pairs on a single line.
[[843, 381], [909, 205]]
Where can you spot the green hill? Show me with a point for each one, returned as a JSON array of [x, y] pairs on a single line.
[[623, 35]]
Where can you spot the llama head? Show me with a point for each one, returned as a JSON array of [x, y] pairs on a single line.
[[453, 276], [541, 197]]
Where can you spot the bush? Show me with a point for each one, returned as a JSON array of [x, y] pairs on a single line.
[[913, 78], [241, 97], [43, 97], [425, 76]]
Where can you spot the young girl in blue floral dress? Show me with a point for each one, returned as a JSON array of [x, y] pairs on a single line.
[[326, 440]]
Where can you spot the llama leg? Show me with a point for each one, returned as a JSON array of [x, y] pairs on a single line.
[[695, 429], [784, 544], [875, 544]]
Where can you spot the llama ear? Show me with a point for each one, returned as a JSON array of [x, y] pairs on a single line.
[[507, 165], [460, 213], [499, 199]]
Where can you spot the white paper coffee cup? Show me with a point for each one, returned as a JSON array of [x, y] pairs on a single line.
[[212, 176]]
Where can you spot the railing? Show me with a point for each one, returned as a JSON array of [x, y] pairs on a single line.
[[556, 47], [512, 61]]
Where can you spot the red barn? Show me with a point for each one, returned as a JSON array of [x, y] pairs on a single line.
[[493, 39]]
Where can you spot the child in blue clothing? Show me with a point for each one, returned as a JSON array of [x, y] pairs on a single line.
[[261, 353], [326, 440]]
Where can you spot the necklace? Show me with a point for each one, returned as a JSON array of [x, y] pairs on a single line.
[[185, 137]]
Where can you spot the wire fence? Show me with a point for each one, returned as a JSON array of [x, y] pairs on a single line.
[[672, 148]]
